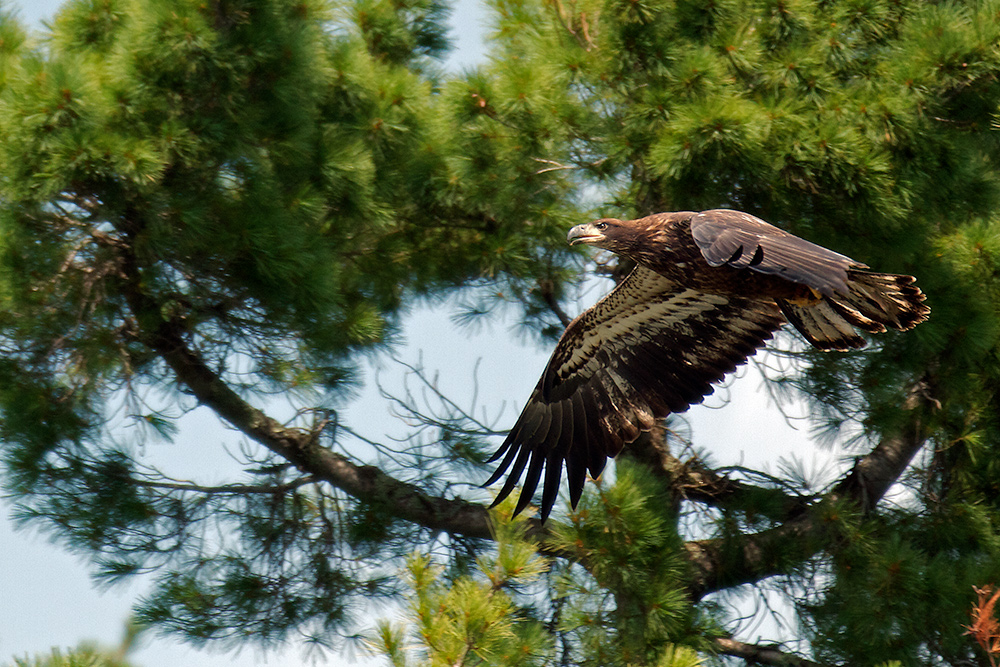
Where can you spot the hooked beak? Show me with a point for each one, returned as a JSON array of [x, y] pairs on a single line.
[[585, 233]]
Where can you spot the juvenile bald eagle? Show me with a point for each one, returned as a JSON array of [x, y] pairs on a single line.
[[708, 289]]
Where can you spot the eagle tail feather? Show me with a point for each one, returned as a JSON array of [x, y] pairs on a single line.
[[875, 302], [889, 299]]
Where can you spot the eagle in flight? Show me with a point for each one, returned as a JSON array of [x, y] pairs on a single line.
[[707, 291]]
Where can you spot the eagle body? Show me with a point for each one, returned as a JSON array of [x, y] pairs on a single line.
[[707, 291], [664, 243]]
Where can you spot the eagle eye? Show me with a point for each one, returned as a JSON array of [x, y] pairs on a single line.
[[601, 226]]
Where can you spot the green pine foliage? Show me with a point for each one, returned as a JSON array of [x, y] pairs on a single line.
[[82, 656], [228, 203], [623, 608], [472, 619], [628, 606], [87, 654]]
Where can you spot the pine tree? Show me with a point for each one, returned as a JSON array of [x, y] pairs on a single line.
[[213, 203]]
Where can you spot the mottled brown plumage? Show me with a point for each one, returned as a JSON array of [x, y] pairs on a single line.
[[708, 290]]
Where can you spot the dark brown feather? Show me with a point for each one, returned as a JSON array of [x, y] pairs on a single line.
[[709, 288], [621, 359], [744, 241]]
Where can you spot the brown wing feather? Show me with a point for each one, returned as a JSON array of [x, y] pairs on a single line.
[[744, 241], [649, 348]]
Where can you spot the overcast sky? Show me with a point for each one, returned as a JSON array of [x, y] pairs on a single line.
[[48, 599]]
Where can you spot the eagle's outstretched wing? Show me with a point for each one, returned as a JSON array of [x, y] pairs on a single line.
[[649, 348], [744, 241]]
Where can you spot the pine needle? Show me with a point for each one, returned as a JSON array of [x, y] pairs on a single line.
[[985, 629]]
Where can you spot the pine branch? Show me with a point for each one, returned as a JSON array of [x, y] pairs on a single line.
[[225, 489], [690, 480], [300, 447], [761, 655], [366, 483], [872, 475], [725, 562], [545, 289]]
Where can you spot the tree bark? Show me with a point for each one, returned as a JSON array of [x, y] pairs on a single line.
[[761, 655]]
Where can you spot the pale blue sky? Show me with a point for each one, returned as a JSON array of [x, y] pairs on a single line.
[[47, 598]]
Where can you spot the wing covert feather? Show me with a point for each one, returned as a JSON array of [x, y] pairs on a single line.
[[747, 242]]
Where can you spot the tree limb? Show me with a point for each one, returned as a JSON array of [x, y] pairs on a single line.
[[761, 655], [691, 480], [729, 561], [366, 483], [546, 291]]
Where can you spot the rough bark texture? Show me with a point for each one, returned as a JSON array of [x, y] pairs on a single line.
[[721, 563]]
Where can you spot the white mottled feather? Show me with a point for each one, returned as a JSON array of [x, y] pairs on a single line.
[[622, 317]]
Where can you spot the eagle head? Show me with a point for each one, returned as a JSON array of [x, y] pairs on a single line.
[[607, 233]]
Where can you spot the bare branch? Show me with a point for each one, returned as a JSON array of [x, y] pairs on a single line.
[[761, 655], [231, 489], [585, 40], [554, 166]]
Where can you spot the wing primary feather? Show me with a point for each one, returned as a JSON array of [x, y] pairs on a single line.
[[511, 437], [552, 438], [542, 419], [511, 453], [548, 441], [501, 450], [530, 480], [596, 462], [528, 420], [559, 453], [542, 427], [514, 476], [585, 430]]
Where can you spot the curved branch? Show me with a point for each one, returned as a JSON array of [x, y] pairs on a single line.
[[691, 480], [725, 562], [301, 447], [761, 655]]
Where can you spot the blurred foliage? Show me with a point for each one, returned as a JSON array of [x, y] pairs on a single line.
[[87, 654]]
